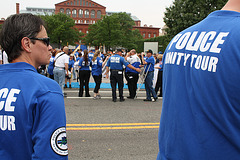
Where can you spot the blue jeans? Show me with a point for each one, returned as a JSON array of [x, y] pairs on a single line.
[[59, 76], [149, 86]]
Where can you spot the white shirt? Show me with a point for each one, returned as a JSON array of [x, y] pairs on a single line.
[[60, 62], [5, 57]]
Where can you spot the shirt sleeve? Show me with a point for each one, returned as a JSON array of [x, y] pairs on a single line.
[[49, 128], [125, 63]]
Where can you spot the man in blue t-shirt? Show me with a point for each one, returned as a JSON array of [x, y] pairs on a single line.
[[115, 63], [149, 63], [32, 112], [201, 107]]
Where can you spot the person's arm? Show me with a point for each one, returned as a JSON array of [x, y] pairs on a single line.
[[133, 68], [143, 61], [49, 127], [66, 68], [105, 61], [107, 70]]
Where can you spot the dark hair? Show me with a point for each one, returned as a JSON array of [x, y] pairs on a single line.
[[15, 28], [85, 56]]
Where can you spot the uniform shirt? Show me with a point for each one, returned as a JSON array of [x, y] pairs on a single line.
[[116, 62], [90, 55], [150, 64], [135, 62], [32, 115], [70, 64], [50, 66], [97, 67], [60, 62], [82, 64], [161, 65], [201, 107]]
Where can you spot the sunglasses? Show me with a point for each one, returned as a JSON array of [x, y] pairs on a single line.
[[44, 40]]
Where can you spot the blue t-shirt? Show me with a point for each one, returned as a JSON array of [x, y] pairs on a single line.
[[200, 118], [32, 114], [82, 64], [50, 66], [97, 67], [161, 65], [150, 64], [70, 64], [116, 62], [90, 55]]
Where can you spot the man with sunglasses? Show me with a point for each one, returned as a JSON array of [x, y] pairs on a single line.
[[200, 118], [32, 112]]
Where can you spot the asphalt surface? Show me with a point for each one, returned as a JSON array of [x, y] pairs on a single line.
[[106, 130]]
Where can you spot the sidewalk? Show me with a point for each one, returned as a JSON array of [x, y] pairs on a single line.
[[104, 85]]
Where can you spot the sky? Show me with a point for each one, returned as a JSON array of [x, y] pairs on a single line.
[[150, 12]]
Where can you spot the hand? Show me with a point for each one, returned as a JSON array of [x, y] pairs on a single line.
[[107, 76], [138, 70]]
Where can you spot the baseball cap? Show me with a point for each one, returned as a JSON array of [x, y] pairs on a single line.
[[149, 51]]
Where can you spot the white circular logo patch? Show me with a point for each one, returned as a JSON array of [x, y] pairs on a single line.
[[59, 141]]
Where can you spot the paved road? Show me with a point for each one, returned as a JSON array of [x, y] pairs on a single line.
[[104, 130]]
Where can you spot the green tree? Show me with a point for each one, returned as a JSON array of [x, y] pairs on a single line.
[[60, 28], [114, 31], [185, 13]]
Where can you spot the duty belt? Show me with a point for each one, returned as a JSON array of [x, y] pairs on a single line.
[[115, 70]]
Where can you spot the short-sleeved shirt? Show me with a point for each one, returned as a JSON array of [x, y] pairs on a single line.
[[60, 61], [150, 64], [200, 118], [90, 55], [82, 64], [32, 114], [71, 64], [116, 62], [135, 62], [97, 67]]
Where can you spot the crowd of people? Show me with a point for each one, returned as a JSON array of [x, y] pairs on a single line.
[[79, 65]]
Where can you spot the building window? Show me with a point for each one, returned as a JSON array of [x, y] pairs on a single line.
[[93, 22], [68, 3], [87, 3], [144, 35], [74, 2], [90, 4], [154, 35], [93, 5], [87, 32], [61, 10], [68, 12], [71, 3], [80, 13], [149, 35], [77, 3], [87, 21], [86, 13], [99, 13], [80, 2], [79, 21], [74, 13], [92, 14], [83, 2], [80, 31]]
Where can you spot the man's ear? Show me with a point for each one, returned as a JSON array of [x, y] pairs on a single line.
[[26, 44]]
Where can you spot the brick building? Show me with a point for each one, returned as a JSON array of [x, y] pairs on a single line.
[[87, 12]]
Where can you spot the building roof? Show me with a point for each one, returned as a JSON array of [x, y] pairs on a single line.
[[64, 2]]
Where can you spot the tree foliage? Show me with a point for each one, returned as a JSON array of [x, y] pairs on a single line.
[[113, 31], [185, 13], [60, 28]]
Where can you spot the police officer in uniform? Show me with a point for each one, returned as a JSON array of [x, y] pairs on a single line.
[[115, 63]]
